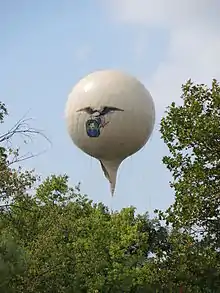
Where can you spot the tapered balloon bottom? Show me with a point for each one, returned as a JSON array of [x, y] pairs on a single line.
[[110, 169]]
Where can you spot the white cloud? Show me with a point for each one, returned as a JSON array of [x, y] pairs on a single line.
[[194, 45], [167, 13]]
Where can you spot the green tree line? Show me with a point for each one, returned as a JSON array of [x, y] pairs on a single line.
[[53, 239]]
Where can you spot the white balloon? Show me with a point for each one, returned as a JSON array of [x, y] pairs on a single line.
[[110, 116]]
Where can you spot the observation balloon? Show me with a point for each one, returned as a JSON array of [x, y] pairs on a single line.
[[110, 116]]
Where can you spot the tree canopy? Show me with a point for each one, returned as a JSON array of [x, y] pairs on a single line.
[[55, 239]]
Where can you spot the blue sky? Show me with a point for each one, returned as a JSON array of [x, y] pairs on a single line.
[[47, 46]]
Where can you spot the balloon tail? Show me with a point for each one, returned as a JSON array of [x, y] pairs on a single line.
[[110, 171]]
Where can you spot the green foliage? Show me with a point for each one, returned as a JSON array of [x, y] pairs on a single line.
[[63, 242], [13, 263], [3, 112], [78, 246], [192, 134]]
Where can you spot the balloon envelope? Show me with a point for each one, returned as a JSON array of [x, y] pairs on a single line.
[[110, 116]]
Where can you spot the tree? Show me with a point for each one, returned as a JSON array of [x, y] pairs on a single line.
[[192, 133], [15, 184], [54, 239], [76, 246], [68, 243]]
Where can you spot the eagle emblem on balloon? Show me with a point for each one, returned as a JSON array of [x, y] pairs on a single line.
[[97, 119]]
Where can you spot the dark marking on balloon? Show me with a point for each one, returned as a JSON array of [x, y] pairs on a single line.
[[93, 127], [105, 171], [97, 119]]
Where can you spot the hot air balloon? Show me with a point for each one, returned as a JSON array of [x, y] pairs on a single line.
[[110, 116]]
